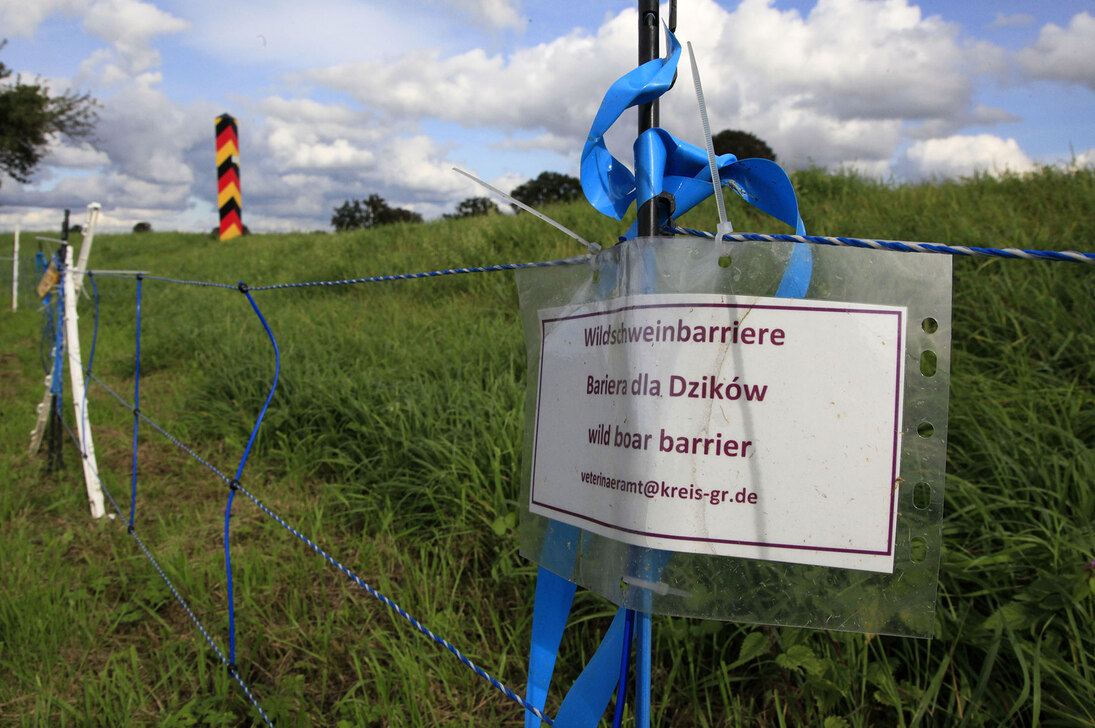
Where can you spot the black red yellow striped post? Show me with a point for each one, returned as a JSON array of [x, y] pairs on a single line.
[[229, 202]]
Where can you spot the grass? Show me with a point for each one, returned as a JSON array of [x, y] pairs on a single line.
[[394, 442]]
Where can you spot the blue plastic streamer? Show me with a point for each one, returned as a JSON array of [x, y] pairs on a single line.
[[666, 164], [554, 597], [588, 697], [550, 610]]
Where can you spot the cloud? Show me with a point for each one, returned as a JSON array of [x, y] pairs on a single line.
[[1063, 54], [1085, 159], [491, 14], [82, 156], [377, 109], [22, 17], [962, 156], [814, 100], [1017, 20], [130, 26]]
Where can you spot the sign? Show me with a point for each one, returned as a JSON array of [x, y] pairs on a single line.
[[761, 428], [49, 280]]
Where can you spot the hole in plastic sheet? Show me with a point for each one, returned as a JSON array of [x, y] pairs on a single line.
[[929, 325], [922, 495], [725, 261], [918, 549], [925, 429], [929, 362]]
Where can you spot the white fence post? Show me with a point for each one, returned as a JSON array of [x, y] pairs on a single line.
[[15, 271], [93, 210], [76, 378]]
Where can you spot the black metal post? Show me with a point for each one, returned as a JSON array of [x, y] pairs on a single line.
[[648, 113]]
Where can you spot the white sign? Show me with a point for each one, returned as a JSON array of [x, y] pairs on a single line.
[[762, 428]]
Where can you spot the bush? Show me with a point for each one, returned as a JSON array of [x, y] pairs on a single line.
[[549, 187], [473, 207], [742, 144], [370, 212], [142, 227]]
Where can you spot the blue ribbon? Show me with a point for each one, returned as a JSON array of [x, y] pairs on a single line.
[[667, 164], [588, 697], [554, 596]]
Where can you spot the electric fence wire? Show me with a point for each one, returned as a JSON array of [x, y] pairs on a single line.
[[373, 592], [132, 531], [234, 485], [373, 279], [853, 242], [900, 246]]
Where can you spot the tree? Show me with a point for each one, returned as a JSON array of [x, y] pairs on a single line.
[[370, 212], [142, 227], [549, 187], [30, 116], [742, 144], [473, 207]]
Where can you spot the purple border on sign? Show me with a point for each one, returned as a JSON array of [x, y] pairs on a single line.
[[804, 306]]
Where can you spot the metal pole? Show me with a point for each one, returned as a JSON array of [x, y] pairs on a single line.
[[15, 271], [648, 113], [647, 227]]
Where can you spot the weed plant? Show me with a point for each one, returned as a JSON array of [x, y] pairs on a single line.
[[393, 440]]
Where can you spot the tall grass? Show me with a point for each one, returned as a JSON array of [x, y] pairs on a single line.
[[394, 440]]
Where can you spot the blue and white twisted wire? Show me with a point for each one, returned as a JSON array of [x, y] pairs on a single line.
[[901, 246], [401, 612], [373, 279], [432, 274], [178, 597], [509, 693], [159, 429]]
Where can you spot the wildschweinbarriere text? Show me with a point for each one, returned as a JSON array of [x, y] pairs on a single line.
[[680, 332]]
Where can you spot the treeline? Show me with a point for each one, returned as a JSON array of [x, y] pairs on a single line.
[[547, 188]]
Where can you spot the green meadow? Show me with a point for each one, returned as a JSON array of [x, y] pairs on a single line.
[[394, 442]]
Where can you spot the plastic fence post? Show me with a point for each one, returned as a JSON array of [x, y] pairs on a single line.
[[85, 247], [15, 271], [79, 402], [136, 408]]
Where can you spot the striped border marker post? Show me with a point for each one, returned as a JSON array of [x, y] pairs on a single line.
[[228, 178]]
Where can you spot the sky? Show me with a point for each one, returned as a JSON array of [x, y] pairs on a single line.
[[341, 99]]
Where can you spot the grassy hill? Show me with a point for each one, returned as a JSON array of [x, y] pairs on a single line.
[[394, 441]]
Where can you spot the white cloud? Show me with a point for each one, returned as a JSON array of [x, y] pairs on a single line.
[[384, 98], [82, 156], [290, 33], [130, 26], [1084, 160], [491, 14], [1064, 54], [1017, 20], [22, 17], [959, 156]]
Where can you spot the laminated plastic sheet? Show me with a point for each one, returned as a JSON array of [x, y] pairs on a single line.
[[769, 588]]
